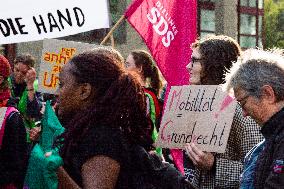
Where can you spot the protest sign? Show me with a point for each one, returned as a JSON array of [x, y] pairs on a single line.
[[168, 28], [55, 54], [201, 114], [31, 20]]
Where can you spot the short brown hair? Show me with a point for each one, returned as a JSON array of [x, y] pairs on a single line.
[[25, 59]]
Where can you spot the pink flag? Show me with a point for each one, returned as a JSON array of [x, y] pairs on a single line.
[[168, 27]]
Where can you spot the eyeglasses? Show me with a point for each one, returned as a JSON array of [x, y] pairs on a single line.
[[242, 102], [195, 60]]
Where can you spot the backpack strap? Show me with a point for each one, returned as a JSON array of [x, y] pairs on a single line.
[[155, 101], [154, 113], [8, 111]]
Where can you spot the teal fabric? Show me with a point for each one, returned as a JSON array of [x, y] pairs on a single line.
[[41, 173], [51, 128]]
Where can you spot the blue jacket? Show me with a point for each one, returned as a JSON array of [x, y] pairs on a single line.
[[247, 175]]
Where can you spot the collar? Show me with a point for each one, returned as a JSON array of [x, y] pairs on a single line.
[[274, 125]]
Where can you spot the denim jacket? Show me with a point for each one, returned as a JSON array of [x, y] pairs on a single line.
[[246, 179]]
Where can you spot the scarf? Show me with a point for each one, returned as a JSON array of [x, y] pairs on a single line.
[[4, 97]]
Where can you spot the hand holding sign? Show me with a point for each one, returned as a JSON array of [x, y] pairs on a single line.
[[202, 160]]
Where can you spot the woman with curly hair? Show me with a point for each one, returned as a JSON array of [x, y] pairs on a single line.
[[103, 110], [211, 58]]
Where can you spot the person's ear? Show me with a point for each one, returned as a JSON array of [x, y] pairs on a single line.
[[268, 94], [140, 69], [85, 91]]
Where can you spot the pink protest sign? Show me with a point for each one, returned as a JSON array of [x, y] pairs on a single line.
[[168, 28]]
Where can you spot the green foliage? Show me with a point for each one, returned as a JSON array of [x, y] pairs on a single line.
[[273, 23], [116, 10]]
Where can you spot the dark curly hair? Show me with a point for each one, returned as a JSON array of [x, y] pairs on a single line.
[[218, 54], [118, 101], [149, 69]]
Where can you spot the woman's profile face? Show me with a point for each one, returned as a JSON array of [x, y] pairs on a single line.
[[195, 67], [69, 101], [130, 64]]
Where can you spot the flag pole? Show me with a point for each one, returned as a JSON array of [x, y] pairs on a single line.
[[112, 29], [112, 41]]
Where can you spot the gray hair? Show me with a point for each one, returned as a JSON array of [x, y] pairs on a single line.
[[254, 69]]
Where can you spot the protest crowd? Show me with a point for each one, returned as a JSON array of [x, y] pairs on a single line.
[[110, 112], [111, 122]]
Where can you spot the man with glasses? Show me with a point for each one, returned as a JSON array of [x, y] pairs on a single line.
[[257, 80]]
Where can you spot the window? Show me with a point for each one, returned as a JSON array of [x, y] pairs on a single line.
[[250, 21], [206, 17]]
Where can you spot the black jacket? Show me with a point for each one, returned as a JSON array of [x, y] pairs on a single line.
[[14, 152], [269, 172]]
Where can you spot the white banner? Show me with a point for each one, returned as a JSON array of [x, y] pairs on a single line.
[[32, 20]]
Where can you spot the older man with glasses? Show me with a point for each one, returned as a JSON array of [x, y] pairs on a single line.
[[257, 80]]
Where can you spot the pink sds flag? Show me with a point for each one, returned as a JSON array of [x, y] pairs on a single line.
[[168, 27]]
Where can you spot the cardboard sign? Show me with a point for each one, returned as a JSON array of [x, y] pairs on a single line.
[[2, 115], [202, 114], [55, 54], [31, 20]]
